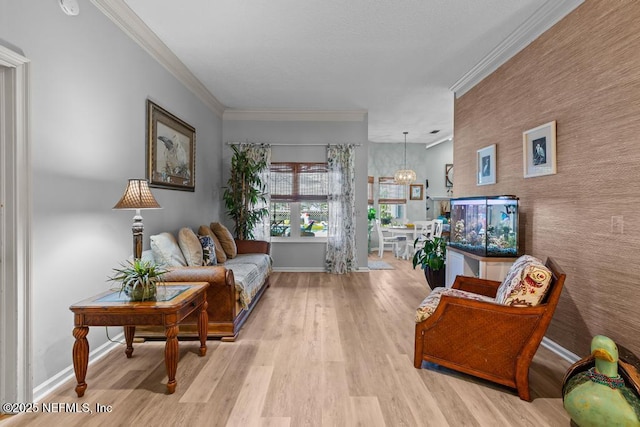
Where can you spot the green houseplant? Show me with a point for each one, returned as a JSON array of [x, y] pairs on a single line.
[[430, 254], [138, 279], [244, 191], [371, 217]]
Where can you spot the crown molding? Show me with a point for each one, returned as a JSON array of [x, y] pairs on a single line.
[[544, 18], [296, 115], [122, 15]]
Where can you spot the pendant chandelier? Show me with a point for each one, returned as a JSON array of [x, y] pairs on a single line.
[[404, 176]]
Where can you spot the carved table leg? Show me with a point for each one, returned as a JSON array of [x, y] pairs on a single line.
[[171, 357], [203, 326], [129, 332], [80, 357]]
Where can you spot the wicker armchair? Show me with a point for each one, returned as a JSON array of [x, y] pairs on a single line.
[[485, 339]]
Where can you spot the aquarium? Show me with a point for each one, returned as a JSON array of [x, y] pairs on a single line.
[[485, 226]]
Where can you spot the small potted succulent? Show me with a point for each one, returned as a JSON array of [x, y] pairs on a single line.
[[138, 279], [430, 254]]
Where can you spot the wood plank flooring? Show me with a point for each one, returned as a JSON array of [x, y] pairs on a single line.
[[318, 350]]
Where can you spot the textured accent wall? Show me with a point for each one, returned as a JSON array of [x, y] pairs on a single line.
[[585, 73]]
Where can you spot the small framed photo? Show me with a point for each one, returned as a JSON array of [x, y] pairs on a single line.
[[539, 150], [171, 150], [486, 165], [416, 191]]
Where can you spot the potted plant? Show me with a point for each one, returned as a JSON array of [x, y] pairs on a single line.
[[430, 254], [371, 217], [138, 279], [244, 191]]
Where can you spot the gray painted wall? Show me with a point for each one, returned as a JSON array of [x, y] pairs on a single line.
[[306, 256], [89, 86], [385, 159]]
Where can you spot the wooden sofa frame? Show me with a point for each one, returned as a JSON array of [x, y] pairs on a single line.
[[226, 316], [487, 340]]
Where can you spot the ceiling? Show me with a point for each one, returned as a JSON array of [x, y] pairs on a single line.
[[395, 59]]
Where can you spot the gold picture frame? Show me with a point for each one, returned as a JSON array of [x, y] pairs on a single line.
[[171, 150], [416, 191]]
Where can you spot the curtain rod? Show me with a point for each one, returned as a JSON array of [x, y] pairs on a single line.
[[286, 144]]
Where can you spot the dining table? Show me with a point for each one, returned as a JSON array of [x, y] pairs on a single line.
[[402, 231]]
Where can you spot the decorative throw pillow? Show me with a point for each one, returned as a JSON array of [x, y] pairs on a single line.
[[208, 250], [225, 238], [526, 284], [221, 257], [166, 250], [190, 246]]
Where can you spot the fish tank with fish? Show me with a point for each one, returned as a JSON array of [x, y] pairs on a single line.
[[485, 226]]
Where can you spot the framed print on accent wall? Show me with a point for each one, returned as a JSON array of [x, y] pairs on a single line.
[[171, 150], [486, 165], [539, 150]]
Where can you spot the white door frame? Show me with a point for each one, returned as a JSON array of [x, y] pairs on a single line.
[[16, 376]]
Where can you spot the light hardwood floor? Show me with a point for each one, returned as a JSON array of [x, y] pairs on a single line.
[[318, 350]]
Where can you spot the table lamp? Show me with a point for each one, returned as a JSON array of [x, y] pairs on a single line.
[[137, 196]]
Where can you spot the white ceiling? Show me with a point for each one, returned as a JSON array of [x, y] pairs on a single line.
[[396, 59]]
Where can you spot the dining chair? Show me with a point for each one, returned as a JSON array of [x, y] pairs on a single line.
[[392, 241]]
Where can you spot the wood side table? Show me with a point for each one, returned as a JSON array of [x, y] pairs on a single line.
[[174, 303]]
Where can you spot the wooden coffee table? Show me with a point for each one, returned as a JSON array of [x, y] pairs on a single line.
[[175, 303]]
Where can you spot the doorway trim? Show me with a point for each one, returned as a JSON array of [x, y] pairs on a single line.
[[16, 376]]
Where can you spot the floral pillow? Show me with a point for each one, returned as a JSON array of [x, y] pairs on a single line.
[[208, 250], [526, 284]]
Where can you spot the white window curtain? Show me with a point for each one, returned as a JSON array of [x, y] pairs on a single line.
[[261, 152], [341, 239]]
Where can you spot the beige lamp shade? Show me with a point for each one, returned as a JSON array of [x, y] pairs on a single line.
[[137, 196]]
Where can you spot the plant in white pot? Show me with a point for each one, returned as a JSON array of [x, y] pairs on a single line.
[[430, 254], [138, 279]]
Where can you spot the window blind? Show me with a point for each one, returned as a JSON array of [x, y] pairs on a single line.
[[390, 192], [295, 182]]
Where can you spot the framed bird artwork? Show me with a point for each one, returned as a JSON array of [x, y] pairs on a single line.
[[486, 165], [539, 150], [171, 150]]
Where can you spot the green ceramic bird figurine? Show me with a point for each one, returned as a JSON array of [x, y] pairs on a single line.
[[599, 396]]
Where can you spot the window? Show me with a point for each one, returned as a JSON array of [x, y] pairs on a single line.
[[299, 205], [391, 199]]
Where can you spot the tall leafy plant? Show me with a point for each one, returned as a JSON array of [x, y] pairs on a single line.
[[430, 253], [243, 192]]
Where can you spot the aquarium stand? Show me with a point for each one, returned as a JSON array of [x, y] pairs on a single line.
[[462, 263]]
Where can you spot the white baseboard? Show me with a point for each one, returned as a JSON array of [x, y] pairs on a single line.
[[560, 351], [313, 269], [47, 387], [300, 269]]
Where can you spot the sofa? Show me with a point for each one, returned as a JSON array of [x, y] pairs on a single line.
[[237, 272]]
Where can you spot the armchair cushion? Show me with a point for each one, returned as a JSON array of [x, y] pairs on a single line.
[[430, 303], [526, 284]]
